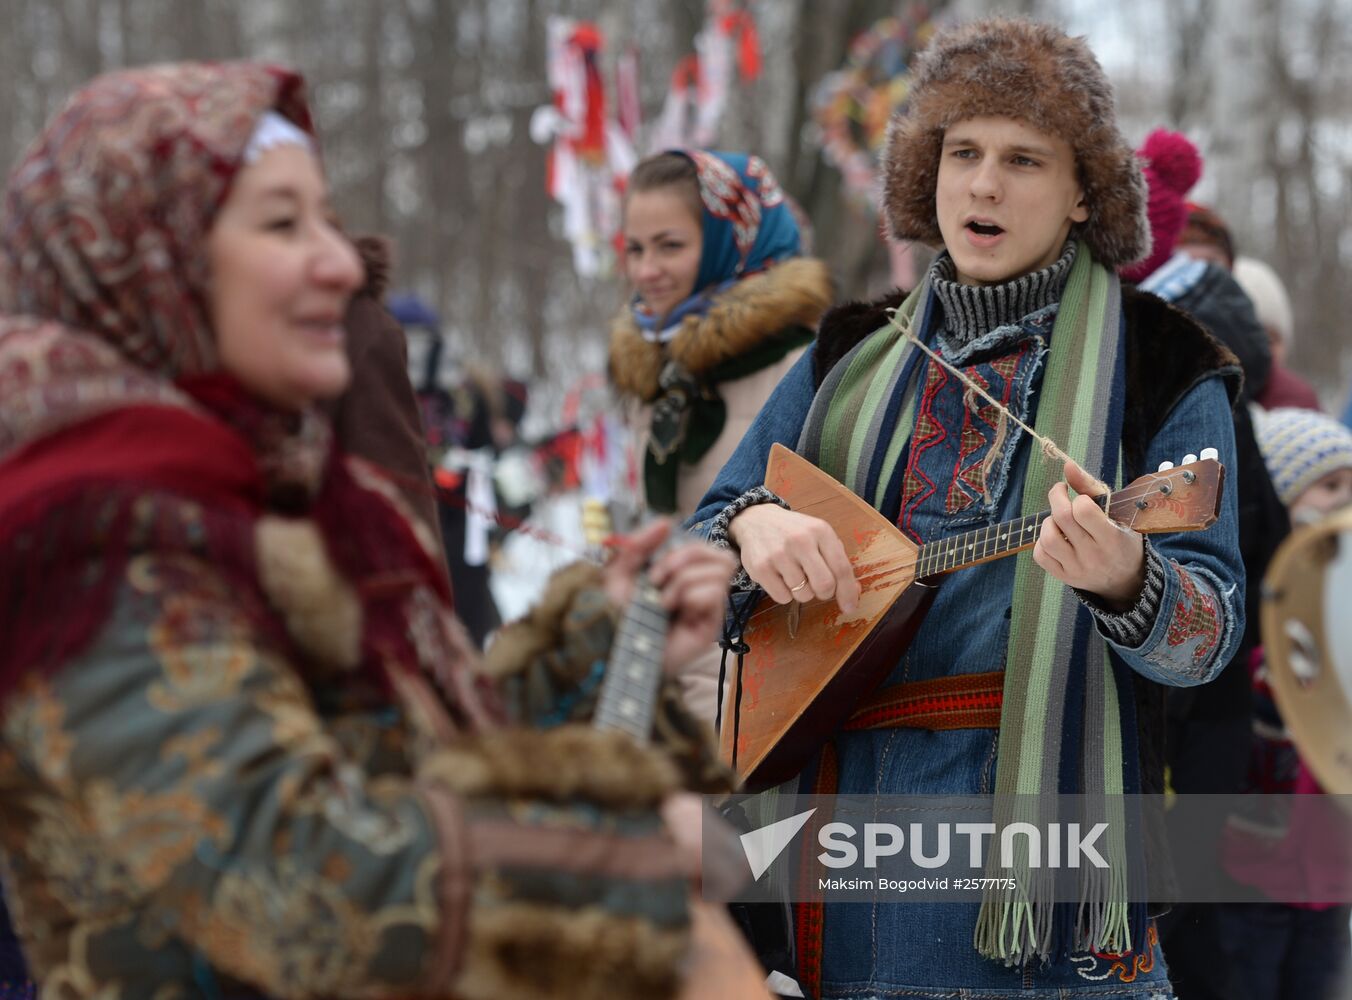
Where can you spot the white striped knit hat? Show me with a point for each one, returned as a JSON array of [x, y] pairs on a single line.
[[1300, 447]]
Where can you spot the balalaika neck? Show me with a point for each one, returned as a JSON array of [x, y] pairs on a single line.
[[633, 678], [992, 541]]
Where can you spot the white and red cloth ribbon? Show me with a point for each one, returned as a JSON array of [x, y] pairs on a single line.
[[728, 45], [591, 152]]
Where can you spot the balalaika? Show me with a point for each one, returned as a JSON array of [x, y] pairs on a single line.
[[809, 664]]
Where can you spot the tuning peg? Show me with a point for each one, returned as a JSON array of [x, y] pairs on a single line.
[[1166, 466], [1188, 459], [596, 523], [1210, 453]]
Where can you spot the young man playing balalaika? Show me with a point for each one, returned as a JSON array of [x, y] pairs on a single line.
[[1009, 157]]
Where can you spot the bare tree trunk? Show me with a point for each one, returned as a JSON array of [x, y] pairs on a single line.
[[80, 39], [371, 133], [444, 167], [1305, 245], [529, 218], [1190, 23], [847, 234], [1241, 119], [12, 142], [966, 10]]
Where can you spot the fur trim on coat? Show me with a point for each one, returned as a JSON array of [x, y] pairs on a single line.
[[848, 324], [795, 292], [541, 630], [605, 766], [553, 649], [322, 612], [1035, 73], [535, 950]]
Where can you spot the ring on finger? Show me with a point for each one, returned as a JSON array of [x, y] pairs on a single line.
[[794, 590]]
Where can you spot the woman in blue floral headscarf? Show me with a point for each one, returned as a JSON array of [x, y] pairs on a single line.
[[724, 303]]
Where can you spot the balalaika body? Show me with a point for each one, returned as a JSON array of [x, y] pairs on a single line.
[[809, 664]]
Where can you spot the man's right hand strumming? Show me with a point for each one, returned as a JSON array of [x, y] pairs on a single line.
[[794, 557]]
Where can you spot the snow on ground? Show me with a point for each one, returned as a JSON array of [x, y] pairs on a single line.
[[523, 565]]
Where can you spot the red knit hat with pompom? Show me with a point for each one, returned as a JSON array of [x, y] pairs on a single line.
[[1171, 166]]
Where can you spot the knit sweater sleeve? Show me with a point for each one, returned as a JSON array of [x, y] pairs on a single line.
[[1130, 627], [718, 530]]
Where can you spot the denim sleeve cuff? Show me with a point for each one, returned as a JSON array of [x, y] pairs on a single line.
[[1132, 627], [718, 528]]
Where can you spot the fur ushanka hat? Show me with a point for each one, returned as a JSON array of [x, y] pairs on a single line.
[[1035, 73]]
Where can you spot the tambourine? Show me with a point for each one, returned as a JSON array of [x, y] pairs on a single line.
[[1307, 636]]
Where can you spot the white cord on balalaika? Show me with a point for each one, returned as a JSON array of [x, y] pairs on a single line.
[[1050, 450]]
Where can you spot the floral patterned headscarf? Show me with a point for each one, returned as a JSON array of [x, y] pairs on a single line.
[[106, 217], [103, 235], [104, 308], [747, 225]]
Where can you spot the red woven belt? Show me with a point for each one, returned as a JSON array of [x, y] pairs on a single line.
[[967, 701]]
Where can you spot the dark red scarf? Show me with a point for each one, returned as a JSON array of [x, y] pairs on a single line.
[[78, 504]]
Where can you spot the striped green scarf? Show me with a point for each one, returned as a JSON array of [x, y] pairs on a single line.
[[856, 412]]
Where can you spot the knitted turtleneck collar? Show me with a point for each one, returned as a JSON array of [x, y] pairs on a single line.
[[971, 311]]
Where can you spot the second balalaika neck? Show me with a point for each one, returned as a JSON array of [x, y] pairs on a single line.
[[633, 678]]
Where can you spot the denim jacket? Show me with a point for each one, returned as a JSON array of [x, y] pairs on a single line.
[[925, 949]]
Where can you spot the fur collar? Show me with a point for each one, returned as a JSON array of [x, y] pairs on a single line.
[[793, 293], [846, 325]]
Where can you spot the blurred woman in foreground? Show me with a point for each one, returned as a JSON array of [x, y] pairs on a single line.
[[243, 751]]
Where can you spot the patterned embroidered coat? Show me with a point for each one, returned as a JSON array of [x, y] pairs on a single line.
[[192, 800]]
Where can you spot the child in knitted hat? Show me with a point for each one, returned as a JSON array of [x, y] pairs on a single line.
[[1009, 159], [1309, 456]]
